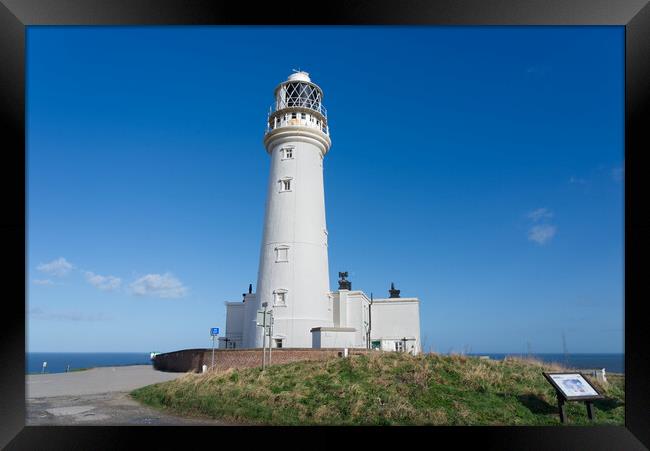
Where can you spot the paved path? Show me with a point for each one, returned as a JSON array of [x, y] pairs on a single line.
[[95, 380], [99, 396]]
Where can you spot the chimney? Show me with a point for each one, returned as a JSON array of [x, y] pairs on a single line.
[[393, 292]]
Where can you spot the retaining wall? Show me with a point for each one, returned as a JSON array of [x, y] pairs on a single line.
[[194, 359]]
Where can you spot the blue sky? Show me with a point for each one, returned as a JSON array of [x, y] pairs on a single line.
[[478, 168]]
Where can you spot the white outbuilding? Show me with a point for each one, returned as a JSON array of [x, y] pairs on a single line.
[[293, 275]]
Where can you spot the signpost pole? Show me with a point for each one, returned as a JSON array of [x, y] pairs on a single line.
[[270, 334], [264, 337], [214, 331], [212, 364]]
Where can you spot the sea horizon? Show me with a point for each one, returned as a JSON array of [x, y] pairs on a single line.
[[612, 362], [61, 362]]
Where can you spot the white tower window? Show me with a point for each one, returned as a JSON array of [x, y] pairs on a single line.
[[282, 253], [285, 184], [280, 297], [286, 153]]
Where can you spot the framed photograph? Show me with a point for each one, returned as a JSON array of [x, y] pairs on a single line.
[[394, 110], [573, 386]]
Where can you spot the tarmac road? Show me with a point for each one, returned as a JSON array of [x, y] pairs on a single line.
[[99, 396], [95, 380]]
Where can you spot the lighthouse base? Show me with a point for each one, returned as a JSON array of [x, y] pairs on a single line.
[[390, 324]]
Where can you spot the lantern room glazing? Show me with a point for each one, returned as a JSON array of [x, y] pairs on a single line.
[[298, 101]]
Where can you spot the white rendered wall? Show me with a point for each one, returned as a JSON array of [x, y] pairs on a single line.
[[334, 339], [394, 319], [357, 316], [296, 219], [234, 324], [249, 326]]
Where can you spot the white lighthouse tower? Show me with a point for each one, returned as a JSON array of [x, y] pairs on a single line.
[[293, 275]]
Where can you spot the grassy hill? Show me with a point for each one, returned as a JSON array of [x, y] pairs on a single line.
[[382, 389]]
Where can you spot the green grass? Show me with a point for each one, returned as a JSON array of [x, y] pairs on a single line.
[[382, 389]]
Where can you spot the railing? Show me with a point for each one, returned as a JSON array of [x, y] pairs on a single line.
[[304, 122], [299, 103]]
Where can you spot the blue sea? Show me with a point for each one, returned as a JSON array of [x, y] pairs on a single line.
[[57, 362], [613, 363]]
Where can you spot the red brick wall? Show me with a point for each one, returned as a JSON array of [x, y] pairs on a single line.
[[194, 359], [179, 361]]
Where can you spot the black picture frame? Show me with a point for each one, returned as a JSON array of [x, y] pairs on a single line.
[[16, 15], [560, 390]]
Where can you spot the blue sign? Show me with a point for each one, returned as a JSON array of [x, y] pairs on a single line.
[[214, 331]]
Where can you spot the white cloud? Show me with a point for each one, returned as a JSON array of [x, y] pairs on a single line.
[[59, 267], [540, 214], [105, 283], [542, 233], [163, 286], [37, 313], [541, 230], [42, 282]]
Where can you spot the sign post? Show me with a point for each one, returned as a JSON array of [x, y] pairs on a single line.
[[404, 341], [573, 387], [214, 331], [265, 321], [264, 338], [270, 334]]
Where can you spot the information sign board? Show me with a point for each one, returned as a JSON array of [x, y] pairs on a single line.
[[573, 386]]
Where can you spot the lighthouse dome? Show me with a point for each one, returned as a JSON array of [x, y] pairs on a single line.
[[299, 76]]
